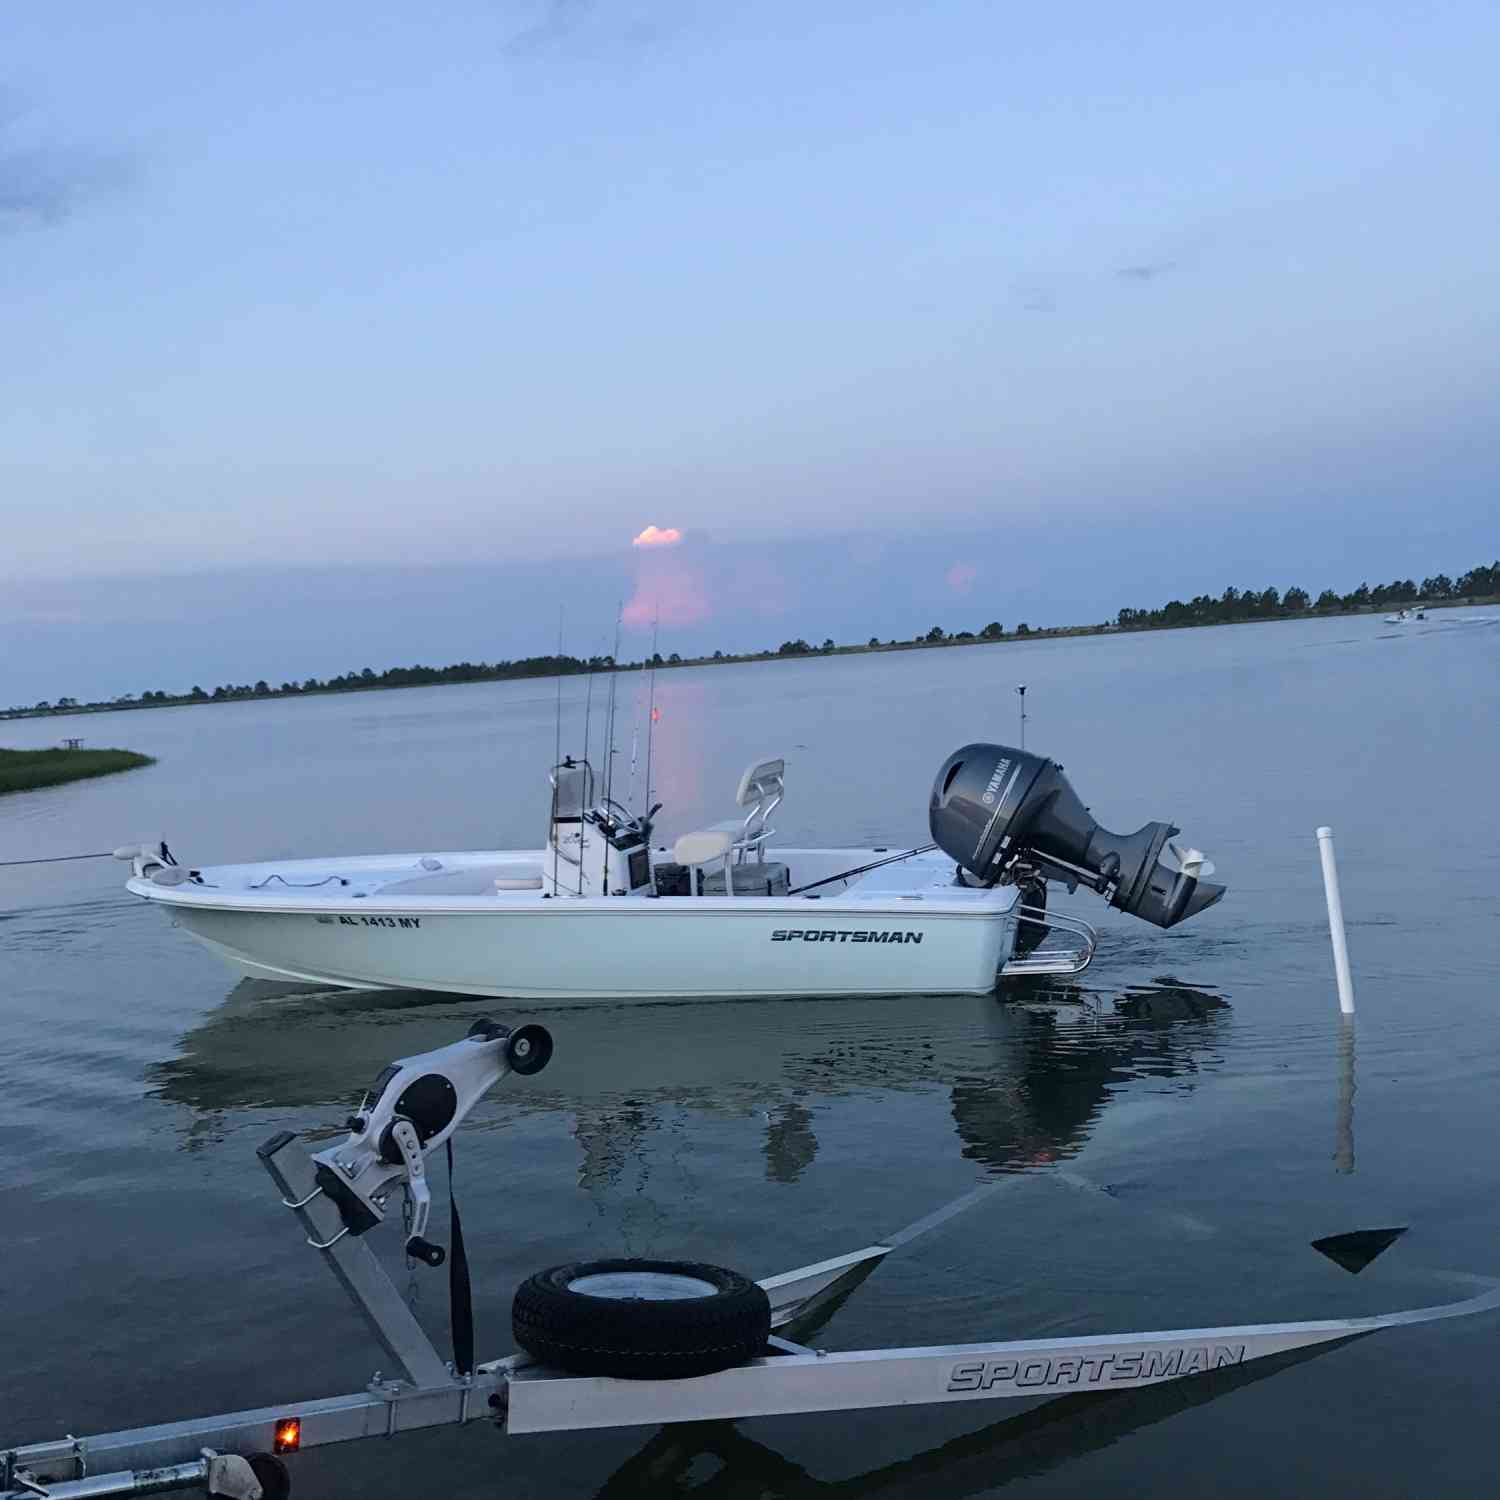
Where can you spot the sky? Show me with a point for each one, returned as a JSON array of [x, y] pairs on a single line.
[[363, 334]]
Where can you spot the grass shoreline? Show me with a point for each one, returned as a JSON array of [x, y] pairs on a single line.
[[1011, 638], [30, 770]]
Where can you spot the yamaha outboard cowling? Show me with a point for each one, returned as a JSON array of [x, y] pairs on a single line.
[[994, 807]]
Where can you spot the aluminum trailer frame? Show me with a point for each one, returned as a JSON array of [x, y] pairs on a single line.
[[213, 1453]]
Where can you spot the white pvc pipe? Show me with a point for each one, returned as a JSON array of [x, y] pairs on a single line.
[[1336, 921]]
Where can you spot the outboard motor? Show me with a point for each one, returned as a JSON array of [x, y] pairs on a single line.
[[994, 808]]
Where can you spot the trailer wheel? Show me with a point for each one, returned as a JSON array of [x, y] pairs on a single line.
[[275, 1480], [641, 1319]]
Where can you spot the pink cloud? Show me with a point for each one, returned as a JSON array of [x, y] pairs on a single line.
[[656, 536], [960, 577], [668, 588]]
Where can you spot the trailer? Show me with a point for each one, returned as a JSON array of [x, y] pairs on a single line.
[[744, 1342]]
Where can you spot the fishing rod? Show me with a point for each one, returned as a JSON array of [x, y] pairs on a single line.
[[894, 859], [609, 762], [651, 709], [635, 732], [557, 743], [609, 748], [56, 859], [587, 791]]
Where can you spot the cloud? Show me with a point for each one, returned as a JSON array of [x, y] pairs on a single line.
[[1146, 270], [41, 186], [675, 598], [655, 536], [1033, 294], [563, 22], [960, 577], [669, 585], [559, 18]]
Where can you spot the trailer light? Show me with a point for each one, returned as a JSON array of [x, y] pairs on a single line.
[[288, 1435]]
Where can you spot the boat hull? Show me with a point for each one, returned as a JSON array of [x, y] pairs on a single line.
[[367, 933], [592, 955]]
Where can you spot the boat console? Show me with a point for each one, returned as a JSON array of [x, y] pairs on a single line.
[[594, 848]]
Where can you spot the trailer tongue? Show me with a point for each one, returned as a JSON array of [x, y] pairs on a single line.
[[634, 1312]]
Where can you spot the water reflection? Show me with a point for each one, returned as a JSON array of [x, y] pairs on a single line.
[[1343, 1126], [718, 1459], [791, 1144], [1026, 1078], [1067, 1054]]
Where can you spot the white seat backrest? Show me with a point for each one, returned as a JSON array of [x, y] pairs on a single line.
[[762, 780]]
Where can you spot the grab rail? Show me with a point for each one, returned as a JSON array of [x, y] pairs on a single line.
[[1073, 960]]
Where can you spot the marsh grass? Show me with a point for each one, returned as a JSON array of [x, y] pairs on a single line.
[[25, 770]]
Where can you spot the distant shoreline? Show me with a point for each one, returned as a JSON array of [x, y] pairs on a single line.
[[799, 650]]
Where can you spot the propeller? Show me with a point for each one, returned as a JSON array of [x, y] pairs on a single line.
[[1193, 862]]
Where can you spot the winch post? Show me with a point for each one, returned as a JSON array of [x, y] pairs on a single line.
[[352, 1262]]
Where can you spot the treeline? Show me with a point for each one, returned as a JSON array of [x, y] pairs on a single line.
[[937, 636], [1235, 605], [1231, 606], [366, 677], [1268, 604]]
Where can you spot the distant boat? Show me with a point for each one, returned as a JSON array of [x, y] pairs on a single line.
[[1406, 617]]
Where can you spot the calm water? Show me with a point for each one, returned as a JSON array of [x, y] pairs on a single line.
[[1176, 1127]]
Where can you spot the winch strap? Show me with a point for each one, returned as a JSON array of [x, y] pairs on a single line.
[[460, 1295]]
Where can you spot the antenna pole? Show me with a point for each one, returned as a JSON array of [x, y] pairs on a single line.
[[1022, 691]]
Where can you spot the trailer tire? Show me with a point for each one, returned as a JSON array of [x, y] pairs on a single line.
[[641, 1319], [273, 1475]]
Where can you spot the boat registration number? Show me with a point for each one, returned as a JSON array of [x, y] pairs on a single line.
[[363, 921]]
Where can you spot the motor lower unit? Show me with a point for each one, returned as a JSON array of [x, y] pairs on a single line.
[[996, 809]]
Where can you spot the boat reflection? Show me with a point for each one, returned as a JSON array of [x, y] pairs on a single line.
[[1068, 1054], [1026, 1077]]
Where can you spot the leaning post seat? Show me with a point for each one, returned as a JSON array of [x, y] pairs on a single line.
[[694, 850], [739, 846]]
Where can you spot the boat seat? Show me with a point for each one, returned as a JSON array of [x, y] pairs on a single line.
[[704, 847], [763, 781], [740, 845]]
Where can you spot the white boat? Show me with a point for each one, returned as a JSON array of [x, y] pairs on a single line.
[[601, 914], [1406, 617]]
